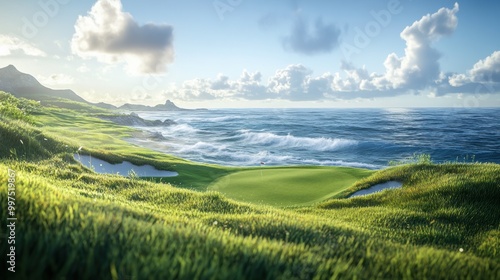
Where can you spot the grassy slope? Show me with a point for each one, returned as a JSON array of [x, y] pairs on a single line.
[[73, 223], [287, 186], [104, 139]]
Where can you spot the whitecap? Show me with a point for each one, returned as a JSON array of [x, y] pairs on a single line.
[[317, 144], [202, 147], [182, 129], [252, 159], [223, 119]]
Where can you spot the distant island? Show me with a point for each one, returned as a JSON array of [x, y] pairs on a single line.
[[168, 106], [24, 85]]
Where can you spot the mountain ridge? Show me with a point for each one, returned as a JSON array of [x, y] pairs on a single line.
[[25, 85]]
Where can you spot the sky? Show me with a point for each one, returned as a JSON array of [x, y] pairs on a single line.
[[243, 53]]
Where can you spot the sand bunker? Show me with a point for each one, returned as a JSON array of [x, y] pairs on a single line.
[[377, 188], [123, 169]]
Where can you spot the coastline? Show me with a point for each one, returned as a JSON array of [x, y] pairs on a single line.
[[247, 137], [70, 207]]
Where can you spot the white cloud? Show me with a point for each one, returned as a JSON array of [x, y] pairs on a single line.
[[10, 45], [198, 89], [221, 83], [56, 80], [484, 71], [249, 86], [289, 81], [419, 68], [318, 87], [418, 71], [355, 79], [294, 82], [112, 35]]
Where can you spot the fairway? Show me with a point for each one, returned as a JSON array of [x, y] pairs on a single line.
[[288, 186]]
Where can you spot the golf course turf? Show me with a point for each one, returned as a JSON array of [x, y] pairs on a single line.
[[288, 186], [73, 223]]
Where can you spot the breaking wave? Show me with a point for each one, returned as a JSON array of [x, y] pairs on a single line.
[[317, 144]]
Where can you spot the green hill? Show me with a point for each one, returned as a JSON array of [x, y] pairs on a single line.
[[75, 224], [288, 186]]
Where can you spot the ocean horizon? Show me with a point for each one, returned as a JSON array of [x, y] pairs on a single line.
[[366, 138]]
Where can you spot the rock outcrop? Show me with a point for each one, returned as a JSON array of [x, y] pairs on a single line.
[[134, 120]]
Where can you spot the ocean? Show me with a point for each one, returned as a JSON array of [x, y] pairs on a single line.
[[367, 138]]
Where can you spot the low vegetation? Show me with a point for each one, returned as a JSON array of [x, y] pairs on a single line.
[[288, 186], [75, 224]]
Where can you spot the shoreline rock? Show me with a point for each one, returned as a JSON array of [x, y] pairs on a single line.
[[134, 120]]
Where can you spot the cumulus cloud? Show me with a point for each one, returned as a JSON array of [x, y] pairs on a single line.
[[317, 87], [248, 86], [222, 82], [417, 71], [419, 67], [198, 89], [10, 45], [304, 39], [112, 35], [354, 79], [294, 82], [484, 71], [289, 81]]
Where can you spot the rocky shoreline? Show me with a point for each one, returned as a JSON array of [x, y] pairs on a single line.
[[134, 120]]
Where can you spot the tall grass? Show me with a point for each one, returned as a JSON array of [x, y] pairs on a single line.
[[416, 158], [75, 224]]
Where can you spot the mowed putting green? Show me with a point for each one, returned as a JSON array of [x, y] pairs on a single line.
[[288, 186]]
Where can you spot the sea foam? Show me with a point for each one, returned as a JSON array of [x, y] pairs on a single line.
[[318, 144]]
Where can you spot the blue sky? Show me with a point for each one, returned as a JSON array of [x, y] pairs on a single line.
[[242, 53]]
